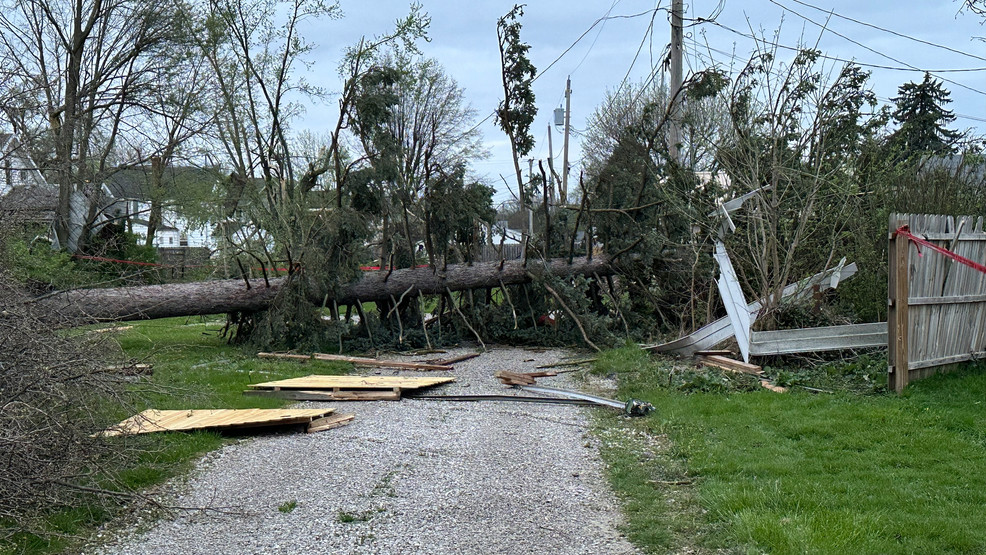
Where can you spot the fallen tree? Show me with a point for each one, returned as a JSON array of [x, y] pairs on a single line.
[[223, 296]]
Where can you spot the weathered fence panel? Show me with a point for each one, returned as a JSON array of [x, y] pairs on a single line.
[[830, 338], [937, 306]]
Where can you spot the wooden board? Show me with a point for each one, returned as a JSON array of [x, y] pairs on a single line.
[[730, 364], [360, 361], [352, 382], [513, 378], [153, 420], [453, 360], [329, 422], [350, 395]]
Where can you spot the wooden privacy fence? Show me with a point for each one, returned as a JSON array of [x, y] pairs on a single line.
[[937, 300]]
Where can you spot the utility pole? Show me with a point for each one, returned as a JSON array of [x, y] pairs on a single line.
[[676, 77], [530, 208], [551, 168], [568, 123]]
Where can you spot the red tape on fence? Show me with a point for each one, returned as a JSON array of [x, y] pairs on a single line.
[[906, 232]]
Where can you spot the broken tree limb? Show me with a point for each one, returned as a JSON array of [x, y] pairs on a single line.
[[223, 296], [574, 317]]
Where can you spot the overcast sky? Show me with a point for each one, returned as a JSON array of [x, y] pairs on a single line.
[[463, 40]]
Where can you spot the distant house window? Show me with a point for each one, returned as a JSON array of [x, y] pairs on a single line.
[[183, 241], [171, 240], [25, 176]]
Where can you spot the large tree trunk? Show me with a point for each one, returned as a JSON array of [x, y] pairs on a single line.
[[217, 297]]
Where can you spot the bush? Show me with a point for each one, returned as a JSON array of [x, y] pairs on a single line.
[[53, 389]]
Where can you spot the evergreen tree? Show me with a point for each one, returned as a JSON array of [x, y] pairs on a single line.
[[923, 117]]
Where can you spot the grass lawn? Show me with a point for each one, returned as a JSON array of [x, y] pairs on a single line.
[[799, 472], [192, 368]]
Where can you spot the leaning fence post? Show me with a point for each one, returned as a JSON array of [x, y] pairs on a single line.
[[897, 318]]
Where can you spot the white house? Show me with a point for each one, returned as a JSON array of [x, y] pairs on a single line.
[[129, 193]]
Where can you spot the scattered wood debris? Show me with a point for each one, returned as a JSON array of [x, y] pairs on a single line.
[[317, 395], [568, 363], [453, 360], [733, 365], [521, 378], [730, 364], [717, 352], [343, 388], [153, 420], [513, 378], [359, 361], [775, 388]]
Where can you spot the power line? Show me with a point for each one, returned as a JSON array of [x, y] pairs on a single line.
[[648, 32], [734, 58], [891, 31], [586, 32], [600, 32], [878, 53], [861, 64]]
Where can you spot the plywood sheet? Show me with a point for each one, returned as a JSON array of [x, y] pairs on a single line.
[[328, 395], [352, 382], [153, 420]]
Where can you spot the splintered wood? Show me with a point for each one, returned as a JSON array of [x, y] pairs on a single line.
[[153, 420], [343, 388]]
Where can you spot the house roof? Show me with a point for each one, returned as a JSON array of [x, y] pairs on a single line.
[[959, 165], [135, 183], [36, 203]]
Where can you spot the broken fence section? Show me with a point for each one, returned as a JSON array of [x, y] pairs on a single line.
[[830, 338], [720, 330], [937, 294]]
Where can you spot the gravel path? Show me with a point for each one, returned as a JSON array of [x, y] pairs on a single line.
[[413, 476]]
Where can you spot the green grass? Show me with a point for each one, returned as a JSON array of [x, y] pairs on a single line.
[[757, 471], [288, 506], [193, 368]]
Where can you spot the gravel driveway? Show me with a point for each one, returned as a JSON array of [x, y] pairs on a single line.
[[412, 476]]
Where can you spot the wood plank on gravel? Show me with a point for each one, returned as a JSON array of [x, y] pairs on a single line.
[[153, 420], [302, 395], [315, 382], [360, 361]]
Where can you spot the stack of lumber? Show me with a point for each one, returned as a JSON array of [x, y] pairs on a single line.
[[153, 420], [342, 388]]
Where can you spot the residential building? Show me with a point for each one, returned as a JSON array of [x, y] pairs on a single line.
[[185, 222]]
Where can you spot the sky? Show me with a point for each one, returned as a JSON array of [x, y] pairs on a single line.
[[603, 44]]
